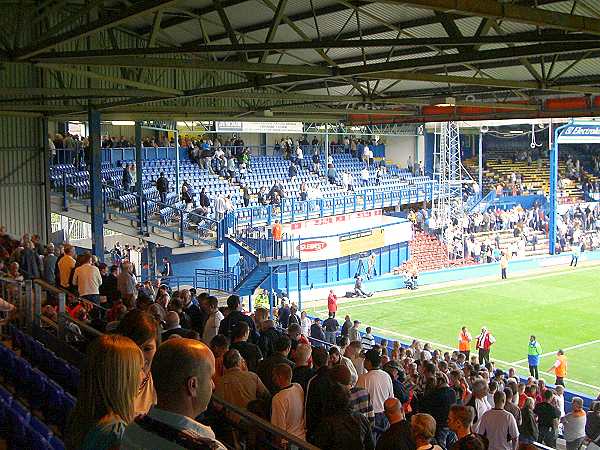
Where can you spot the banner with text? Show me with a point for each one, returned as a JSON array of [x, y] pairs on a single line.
[[260, 127], [580, 134]]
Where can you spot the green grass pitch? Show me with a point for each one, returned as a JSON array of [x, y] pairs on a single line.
[[562, 308]]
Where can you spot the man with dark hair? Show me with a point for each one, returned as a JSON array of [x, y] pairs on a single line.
[[181, 370], [379, 385], [331, 325], [235, 316], [398, 436], [499, 426], [511, 407], [360, 400], [437, 403], [316, 392], [268, 335], [239, 341], [548, 416], [281, 349], [162, 186]]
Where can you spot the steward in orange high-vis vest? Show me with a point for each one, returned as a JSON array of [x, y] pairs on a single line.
[[464, 342], [560, 367]]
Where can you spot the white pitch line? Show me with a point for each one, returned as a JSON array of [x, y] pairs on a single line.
[[343, 307], [585, 344], [504, 363]]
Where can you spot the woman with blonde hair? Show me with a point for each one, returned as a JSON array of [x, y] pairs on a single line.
[[423, 430], [144, 330], [108, 386]]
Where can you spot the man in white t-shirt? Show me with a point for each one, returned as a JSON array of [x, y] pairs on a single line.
[[87, 278], [379, 386], [287, 406], [499, 426], [364, 176]]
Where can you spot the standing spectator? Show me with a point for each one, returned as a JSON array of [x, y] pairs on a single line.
[[167, 269], [204, 202], [510, 406], [331, 174], [484, 342], [423, 431], [398, 436], [281, 349], [162, 186], [305, 324], [548, 416], [303, 371], [464, 342], [126, 285], [559, 367], [239, 386], [239, 341], [379, 385], [49, 265], [332, 302], [574, 425], [211, 327], [287, 405], [354, 332], [503, 265], [64, 266], [330, 325], [316, 330], [534, 350], [575, 253], [316, 163], [109, 287], [592, 423], [499, 426], [132, 177], [364, 176], [367, 340], [317, 389], [87, 278], [235, 315], [479, 400], [30, 261], [126, 178], [277, 240], [346, 327], [283, 314], [528, 430], [341, 427], [437, 402], [108, 386], [460, 421], [183, 369]]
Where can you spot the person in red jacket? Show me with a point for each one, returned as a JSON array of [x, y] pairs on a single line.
[[332, 302]]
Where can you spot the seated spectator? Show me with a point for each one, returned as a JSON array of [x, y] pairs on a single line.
[[107, 389], [340, 427], [287, 405], [142, 329], [183, 369], [238, 386], [7, 311]]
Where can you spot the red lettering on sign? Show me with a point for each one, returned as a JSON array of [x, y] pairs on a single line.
[[311, 246]]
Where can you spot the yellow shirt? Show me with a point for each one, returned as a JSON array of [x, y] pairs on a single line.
[[65, 265]]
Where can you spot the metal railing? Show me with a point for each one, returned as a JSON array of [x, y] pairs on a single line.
[[291, 209]]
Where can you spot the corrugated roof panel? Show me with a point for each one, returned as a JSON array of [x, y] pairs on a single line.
[[396, 13], [330, 24]]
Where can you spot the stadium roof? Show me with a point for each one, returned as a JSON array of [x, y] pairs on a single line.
[[321, 60]]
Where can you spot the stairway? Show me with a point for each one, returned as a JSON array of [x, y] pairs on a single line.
[[431, 254]]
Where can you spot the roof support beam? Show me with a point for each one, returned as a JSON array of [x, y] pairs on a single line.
[[75, 92], [488, 82], [137, 9], [507, 11], [273, 28], [195, 64]]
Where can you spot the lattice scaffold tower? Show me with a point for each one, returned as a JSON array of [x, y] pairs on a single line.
[[447, 209]]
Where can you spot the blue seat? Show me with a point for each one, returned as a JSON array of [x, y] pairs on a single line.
[[56, 443], [17, 429], [35, 440], [22, 375], [5, 396], [37, 389], [19, 408], [41, 428], [53, 404]]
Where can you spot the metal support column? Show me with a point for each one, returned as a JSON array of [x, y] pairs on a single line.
[[326, 146], [97, 202], [138, 171], [299, 286], [553, 191], [480, 179], [151, 260], [177, 178], [271, 296], [226, 257]]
